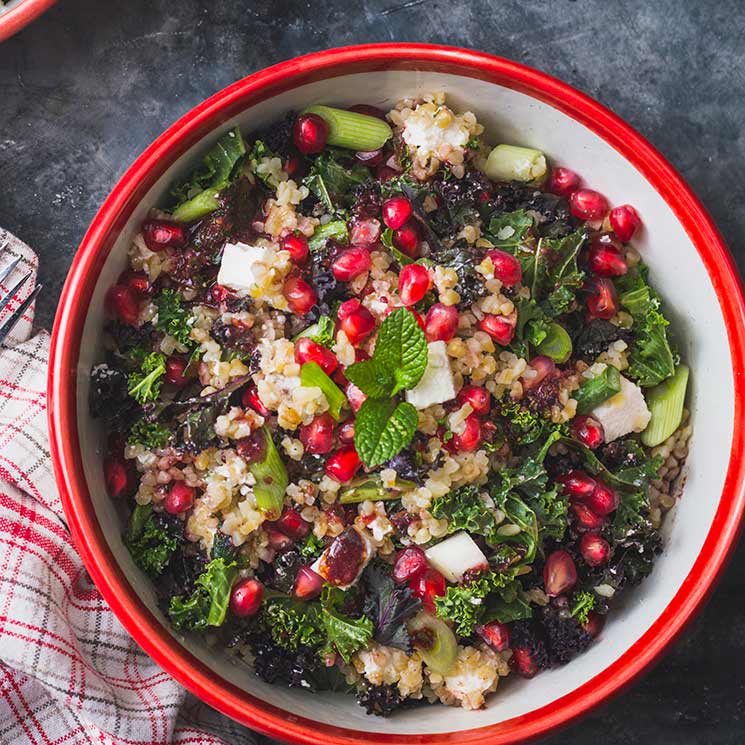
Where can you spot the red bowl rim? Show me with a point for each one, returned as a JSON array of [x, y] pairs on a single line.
[[141, 624], [13, 20]]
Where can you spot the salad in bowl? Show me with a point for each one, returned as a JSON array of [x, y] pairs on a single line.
[[390, 409]]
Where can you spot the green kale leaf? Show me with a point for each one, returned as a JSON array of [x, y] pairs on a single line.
[[151, 435], [150, 540], [464, 509], [583, 603], [293, 623], [345, 635], [173, 318], [332, 178], [144, 385]]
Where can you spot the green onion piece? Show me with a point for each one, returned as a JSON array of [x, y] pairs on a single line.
[[371, 487], [441, 648], [557, 345], [665, 401], [311, 375], [351, 130], [199, 206], [512, 163], [336, 229], [594, 391], [271, 479]]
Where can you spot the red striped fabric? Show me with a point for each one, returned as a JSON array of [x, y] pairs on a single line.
[[69, 673]]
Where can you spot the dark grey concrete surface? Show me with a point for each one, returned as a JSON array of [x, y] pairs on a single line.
[[86, 88]]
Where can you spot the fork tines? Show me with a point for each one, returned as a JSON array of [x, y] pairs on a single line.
[[13, 319]]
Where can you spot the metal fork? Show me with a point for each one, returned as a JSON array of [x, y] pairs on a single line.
[[13, 319]]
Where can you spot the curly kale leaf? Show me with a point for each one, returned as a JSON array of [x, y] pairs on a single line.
[[523, 426], [208, 604], [333, 175], [464, 509], [389, 605], [151, 435], [151, 541], [173, 318], [293, 623], [144, 385], [493, 596], [583, 603], [595, 337], [651, 360]]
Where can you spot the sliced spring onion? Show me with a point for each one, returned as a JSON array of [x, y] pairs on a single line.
[[371, 487], [351, 130], [557, 345], [336, 229], [311, 375], [199, 206], [271, 479], [512, 163], [665, 401], [441, 649], [594, 391]]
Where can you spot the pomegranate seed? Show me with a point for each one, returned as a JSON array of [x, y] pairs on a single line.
[[370, 158], [117, 476], [351, 263], [587, 204], [308, 584], [246, 597], [301, 297], [396, 211], [162, 234], [318, 436], [365, 233], [427, 587], [411, 563], [218, 294], [137, 282], [250, 400], [605, 260], [507, 268], [588, 431], [586, 518], [563, 182], [495, 634], [559, 573], [602, 301], [292, 524], [355, 397], [468, 440], [406, 239], [297, 245], [355, 321], [441, 322], [252, 448], [368, 110], [278, 540], [578, 485], [523, 662], [383, 173], [310, 133], [479, 398], [343, 465], [346, 432], [594, 625], [293, 165], [306, 350], [180, 498], [500, 328], [542, 367], [594, 549], [625, 221], [175, 367], [603, 500], [413, 283], [122, 302]]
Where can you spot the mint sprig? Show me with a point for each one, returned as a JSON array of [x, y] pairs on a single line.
[[383, 426]]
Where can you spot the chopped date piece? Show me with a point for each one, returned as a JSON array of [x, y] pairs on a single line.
[[345, 558]]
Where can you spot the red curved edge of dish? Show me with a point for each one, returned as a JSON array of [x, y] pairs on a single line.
[[156, 640], [13, 20]]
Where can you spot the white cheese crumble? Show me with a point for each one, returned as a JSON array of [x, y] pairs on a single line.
[[436, 385], [623, 413], [423, 130], [454, 556], [237, 266]]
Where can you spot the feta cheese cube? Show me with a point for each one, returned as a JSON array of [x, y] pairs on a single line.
[[423, 131], [623, 413], [454, 556], [237, 267], [436, 385]]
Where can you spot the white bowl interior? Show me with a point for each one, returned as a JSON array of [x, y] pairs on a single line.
[[676, 271]]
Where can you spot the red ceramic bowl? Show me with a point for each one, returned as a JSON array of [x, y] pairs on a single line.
[[689, 263], [20, 14]]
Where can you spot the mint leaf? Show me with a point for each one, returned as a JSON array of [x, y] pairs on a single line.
[[371, 378], [401, 347], [382, 429]]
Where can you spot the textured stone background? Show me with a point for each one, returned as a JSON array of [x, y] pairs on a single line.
[[86, 88]]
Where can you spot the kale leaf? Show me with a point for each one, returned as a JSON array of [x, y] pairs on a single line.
[[345, 635], [293, 623], [173, 317], [208, 604], [388, 605], [595, 337], [464, 509], [151, 435], [333, 175], [144, 385], [150, 540]]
